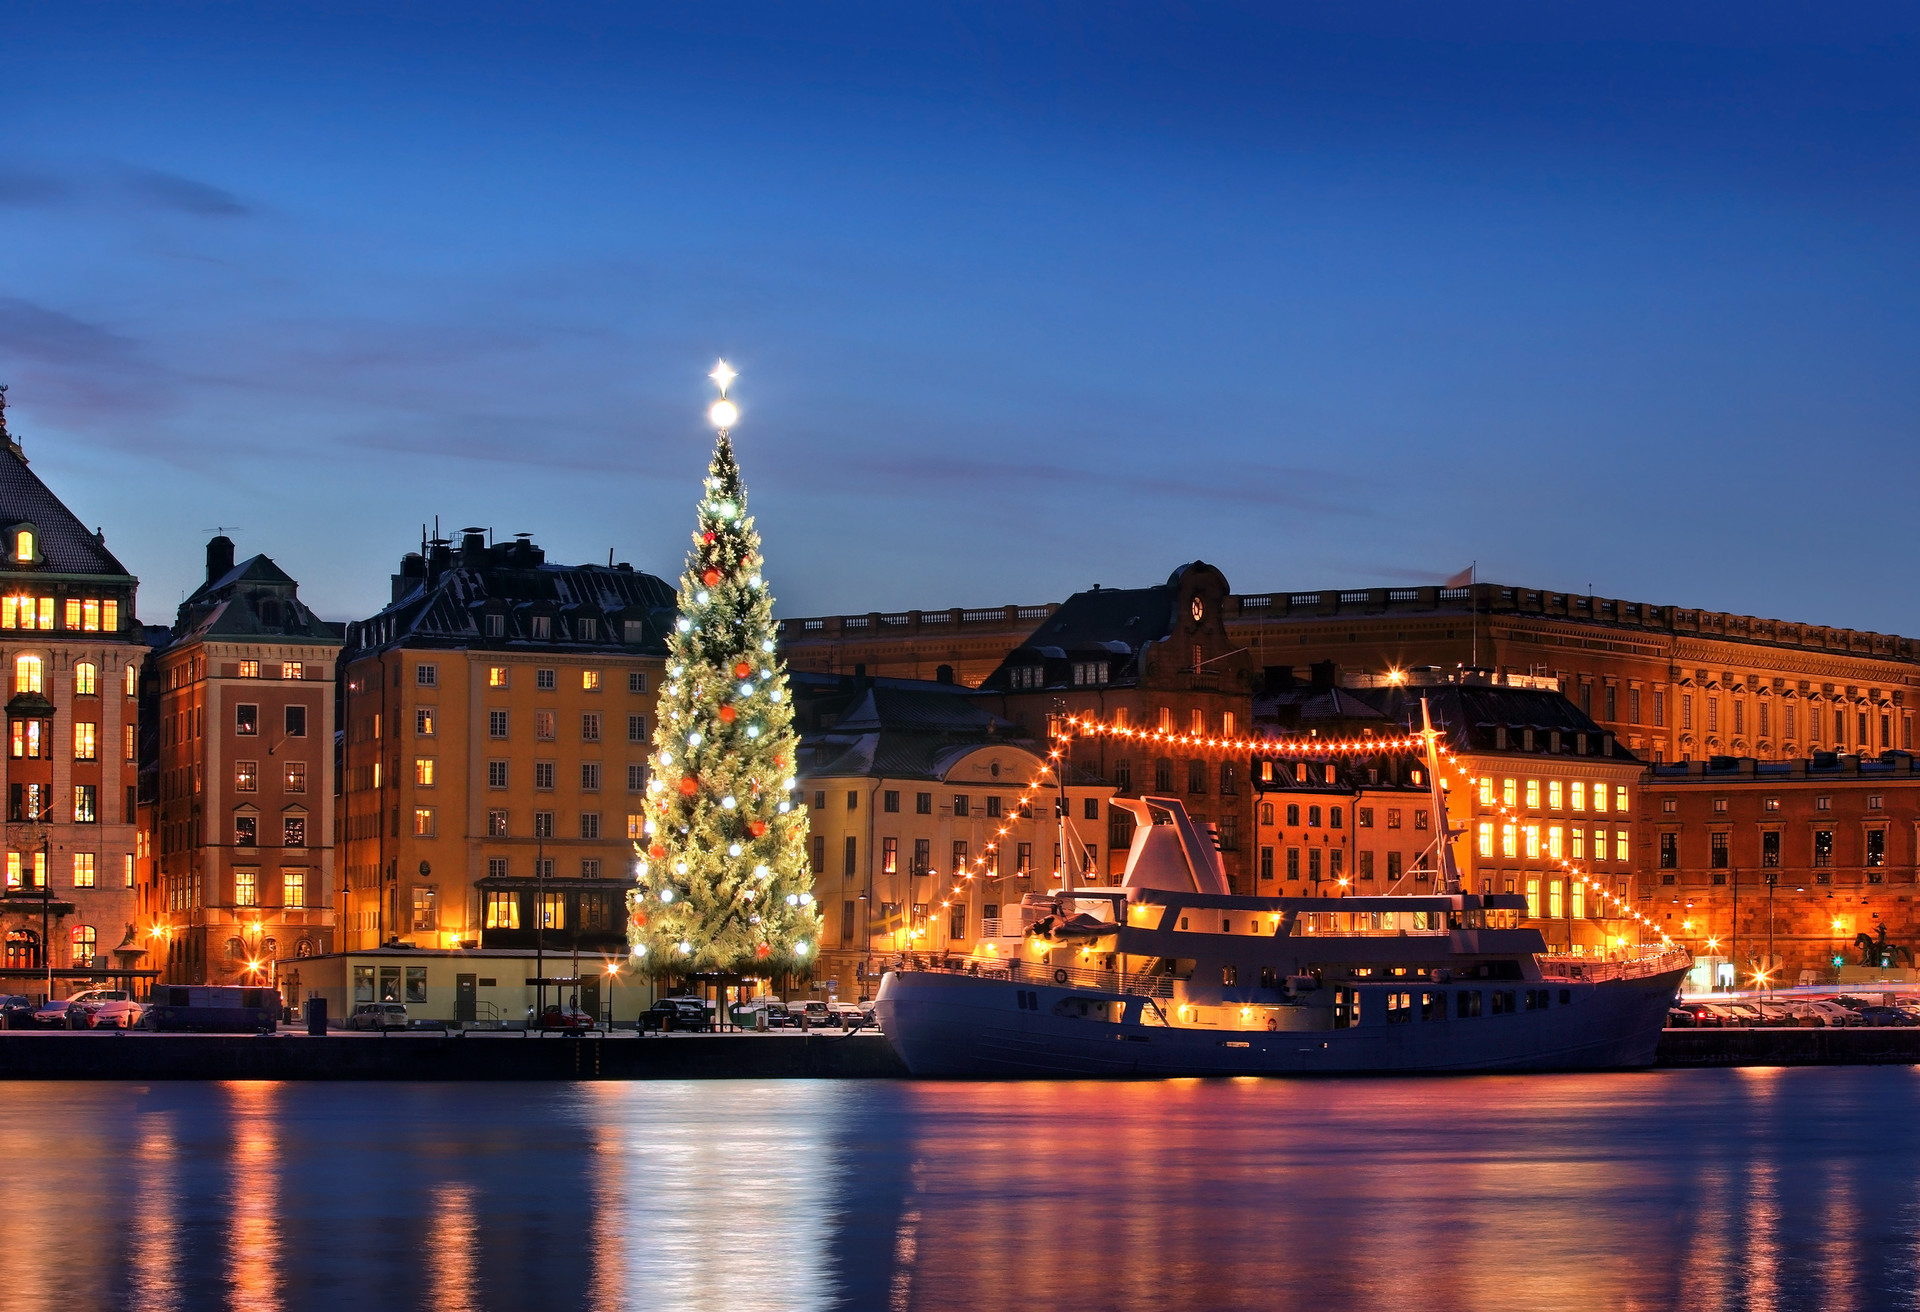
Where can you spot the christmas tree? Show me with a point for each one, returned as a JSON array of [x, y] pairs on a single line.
[[722, 882]]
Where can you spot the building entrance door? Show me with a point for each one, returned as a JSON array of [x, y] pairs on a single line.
[[590, 996], [466, 994]]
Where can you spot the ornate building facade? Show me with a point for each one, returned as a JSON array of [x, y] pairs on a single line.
[[1672, 682]]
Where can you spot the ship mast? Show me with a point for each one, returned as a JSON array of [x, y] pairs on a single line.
[[1449, 869]]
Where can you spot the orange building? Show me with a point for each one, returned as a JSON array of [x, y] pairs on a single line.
[[497, 718], [240, 830], [70, 648]]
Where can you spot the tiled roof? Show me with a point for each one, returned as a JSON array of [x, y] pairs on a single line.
[[69, 546], [1100, 623], [254, 599]]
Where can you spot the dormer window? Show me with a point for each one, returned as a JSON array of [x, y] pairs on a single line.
[[497, 627], [589, 629], [542, 627], [25, 546]]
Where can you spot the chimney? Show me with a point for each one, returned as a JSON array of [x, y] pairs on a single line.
[[219, 556]]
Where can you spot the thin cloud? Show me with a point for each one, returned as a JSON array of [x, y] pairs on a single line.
[[169, 191], [33, 188]]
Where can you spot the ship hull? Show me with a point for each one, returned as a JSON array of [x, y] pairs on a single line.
[[949, 1025]]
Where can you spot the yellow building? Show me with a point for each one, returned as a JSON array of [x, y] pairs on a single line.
[[911, 786], [498, 716], [1539, 786]]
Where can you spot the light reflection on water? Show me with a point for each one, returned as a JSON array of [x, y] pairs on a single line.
[[1756, 1189]]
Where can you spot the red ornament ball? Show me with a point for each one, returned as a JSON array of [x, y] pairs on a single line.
[[657, 852], [728, 714], [707, 536], [688, 787], [639, 919], [758, 827], [763, 951], [711, 577], [741, 669]]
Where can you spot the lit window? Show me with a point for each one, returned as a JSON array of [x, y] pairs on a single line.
[[1509, 792], [423, 826], [131, 736], [83, 869], [423, 771], [26, 674], [496, 676], [636, 825], [294, 831], [1599, 797], [1486, 792], [1621, 849], [296, 781], [1533, 794], [1579, 890], [423, 721], [85, 939], [244, 892], [90, 615], [1509, 840], [503, 910], [73, 612], [23, 546], [246, 776], [86, 676], [132, 680], [1533, 898], [1533, 842], [1579, 790], [1556, 843], [85, 797], [1485, 846], [590, 681], [292, 670], [1620, 798], [85, 743], [110, 616], [293, 884], [1553, 795], [126, 868]]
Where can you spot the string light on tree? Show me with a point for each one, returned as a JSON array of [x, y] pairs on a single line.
[[721, 874]]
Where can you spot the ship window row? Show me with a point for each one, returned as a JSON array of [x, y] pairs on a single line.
[[1351, 1007]]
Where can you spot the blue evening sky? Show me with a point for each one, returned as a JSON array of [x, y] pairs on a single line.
[[1023, 298]]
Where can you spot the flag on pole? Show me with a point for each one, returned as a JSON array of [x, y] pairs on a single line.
[[1463, 579]]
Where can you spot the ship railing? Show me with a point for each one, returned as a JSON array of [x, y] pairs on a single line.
[[1598, 969], [1143, 983]]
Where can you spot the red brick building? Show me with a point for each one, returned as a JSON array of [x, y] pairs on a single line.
[[1803, 855]]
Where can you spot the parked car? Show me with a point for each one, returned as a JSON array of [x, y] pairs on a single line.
[[679, 1013], [854, 1015], [378, 1016], [121, 1013], [1831, 1012], [564, 1018], [16, 1012], [54, 1014], [747, 1014], [82, 1006], [813, 1013], [1876, 1014], [1693, 1015]]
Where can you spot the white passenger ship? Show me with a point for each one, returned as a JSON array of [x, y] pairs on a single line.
[[1171, 974]]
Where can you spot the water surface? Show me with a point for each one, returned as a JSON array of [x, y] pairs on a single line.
[[1744, 1189]]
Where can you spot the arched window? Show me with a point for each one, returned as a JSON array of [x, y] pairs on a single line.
[[269, 949], [236, 950], [26, 674], [23, 950], [86, 679], [23, 546], [304, 948], [85, 940]]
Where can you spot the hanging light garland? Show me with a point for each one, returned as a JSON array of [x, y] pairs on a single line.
[[1311, 748]]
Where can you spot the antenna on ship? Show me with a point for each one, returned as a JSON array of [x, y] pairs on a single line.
[[1449, 870]]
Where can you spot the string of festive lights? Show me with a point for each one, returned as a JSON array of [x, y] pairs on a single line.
[[1311, 748]]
